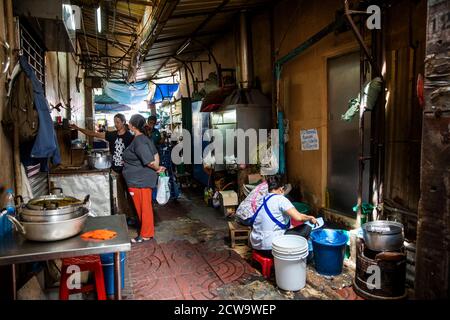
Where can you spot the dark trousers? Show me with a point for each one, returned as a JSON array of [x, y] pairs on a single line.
[[302, 230]]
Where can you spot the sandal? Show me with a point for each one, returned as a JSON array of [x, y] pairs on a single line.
[[140, 239]]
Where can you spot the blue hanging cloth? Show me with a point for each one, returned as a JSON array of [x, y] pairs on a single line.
[[46, 143]]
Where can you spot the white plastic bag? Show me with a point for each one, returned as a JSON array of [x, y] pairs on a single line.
[[163, 192], [209, 161]]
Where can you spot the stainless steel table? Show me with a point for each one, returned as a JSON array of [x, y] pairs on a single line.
[[16, 249]]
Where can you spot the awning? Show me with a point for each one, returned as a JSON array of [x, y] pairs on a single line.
[[125, 93], [104, 99], [164, 91], [111, 108]]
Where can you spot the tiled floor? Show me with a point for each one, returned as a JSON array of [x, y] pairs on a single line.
[[180, 269], [190, 259]]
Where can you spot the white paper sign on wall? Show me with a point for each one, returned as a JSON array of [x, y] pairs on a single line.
[[309, 139]]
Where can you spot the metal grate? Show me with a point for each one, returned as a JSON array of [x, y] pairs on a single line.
[[38, 180], [34, 52]]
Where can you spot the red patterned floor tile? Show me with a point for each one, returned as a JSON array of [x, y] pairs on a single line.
[[191, 284], [229, 266], [150, 262], [183, 258], [159, 289]]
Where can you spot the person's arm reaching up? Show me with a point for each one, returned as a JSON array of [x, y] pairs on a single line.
[[89, 133]]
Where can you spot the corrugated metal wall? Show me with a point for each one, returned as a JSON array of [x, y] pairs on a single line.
[[405, 60]]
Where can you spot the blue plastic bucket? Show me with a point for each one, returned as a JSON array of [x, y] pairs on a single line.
[[310, 257], [108, 271], [329, 250]]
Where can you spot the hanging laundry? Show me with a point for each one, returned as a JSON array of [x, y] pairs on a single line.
[[46, 144], [20, 109]]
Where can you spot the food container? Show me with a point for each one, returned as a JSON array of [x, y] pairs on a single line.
[[78, 145], [99, 160], [51, 208], [51, 231], [383, 235]]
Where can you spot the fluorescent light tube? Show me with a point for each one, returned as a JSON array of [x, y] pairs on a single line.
[[99, 20]]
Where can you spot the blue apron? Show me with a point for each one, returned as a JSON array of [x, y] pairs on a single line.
[[269, 213]]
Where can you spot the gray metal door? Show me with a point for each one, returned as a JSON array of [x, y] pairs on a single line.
[[343, 137]]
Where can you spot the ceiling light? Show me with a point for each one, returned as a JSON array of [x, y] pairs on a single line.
[[185, 45], [99, 20]]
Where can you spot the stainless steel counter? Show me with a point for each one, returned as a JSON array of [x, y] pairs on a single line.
[[16, 249]]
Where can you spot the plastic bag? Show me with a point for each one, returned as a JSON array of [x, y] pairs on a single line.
[[209, 161], [269, 163], [372, 91], [163, 192], [216, 200]]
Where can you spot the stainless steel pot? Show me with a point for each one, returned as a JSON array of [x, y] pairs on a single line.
[[99, 160], [58, 203], [78, 145], [49, 215], [50, 231], [383, 235]]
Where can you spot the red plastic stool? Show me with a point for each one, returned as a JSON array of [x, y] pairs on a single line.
[[85, 263], [265, 262]]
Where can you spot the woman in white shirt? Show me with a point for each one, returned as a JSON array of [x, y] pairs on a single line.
[[273, 218]]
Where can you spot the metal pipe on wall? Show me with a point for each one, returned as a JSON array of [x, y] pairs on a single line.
[[361, 163], [13, 45], [278, 68], [244, 52]]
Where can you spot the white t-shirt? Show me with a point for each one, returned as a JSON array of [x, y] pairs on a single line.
[[264, 229]]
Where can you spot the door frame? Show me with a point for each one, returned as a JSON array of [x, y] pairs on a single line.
[[342, 50]]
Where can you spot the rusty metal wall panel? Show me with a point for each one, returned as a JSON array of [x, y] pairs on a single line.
[[433, 236]]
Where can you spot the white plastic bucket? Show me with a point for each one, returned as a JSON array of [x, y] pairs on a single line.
[[290, 253]]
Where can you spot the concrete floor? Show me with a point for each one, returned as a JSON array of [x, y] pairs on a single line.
[[190, 258]]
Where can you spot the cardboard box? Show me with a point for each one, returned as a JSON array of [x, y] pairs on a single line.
[[228, 202]]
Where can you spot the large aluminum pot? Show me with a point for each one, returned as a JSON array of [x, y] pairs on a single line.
[[50, 231], [99, 160], [57, 203], [383, 235], [28, 215]]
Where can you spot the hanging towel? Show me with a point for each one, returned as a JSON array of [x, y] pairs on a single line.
[[46, 143]]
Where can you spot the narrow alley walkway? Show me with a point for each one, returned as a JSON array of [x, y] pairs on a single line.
[[190, 258]]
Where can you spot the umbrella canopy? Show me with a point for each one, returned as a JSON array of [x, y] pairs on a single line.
[[111, 108], [164, 91], [104, 99]]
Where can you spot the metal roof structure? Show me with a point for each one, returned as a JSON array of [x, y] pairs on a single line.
[[148, 40]]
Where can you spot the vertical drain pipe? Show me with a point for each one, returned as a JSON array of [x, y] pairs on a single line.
[[364, 53], [362, 80], [244, 51]]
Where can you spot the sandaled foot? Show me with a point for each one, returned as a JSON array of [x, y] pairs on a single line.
[[140, 239]]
